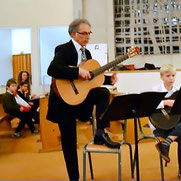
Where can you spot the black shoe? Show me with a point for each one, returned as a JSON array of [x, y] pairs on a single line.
[[163, 150], [17, 135], [105, 139]]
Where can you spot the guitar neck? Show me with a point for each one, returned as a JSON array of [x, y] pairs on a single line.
[[109, 65]]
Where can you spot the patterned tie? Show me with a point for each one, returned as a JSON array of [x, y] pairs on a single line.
[[83, 55]]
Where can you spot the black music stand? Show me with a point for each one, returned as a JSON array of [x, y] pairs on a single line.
[[133, 106]]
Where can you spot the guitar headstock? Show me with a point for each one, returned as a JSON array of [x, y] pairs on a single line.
[[133, 51]]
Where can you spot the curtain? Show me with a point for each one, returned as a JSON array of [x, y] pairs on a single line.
[[21, 62]]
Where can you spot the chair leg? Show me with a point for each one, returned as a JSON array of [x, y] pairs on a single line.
[[166, 164], [119, 164], [131, 159], [134, 164], [90, 164], [134, 160], [161, 169], [84, 165]]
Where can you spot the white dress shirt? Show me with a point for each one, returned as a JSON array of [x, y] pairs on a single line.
[[161, 88], [79, 52]]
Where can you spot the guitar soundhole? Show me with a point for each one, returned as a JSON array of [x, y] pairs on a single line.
[[74, 88]]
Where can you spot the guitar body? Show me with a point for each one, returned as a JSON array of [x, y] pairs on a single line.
[[74, 92], [168, 117], [159, 120], [75, 97]]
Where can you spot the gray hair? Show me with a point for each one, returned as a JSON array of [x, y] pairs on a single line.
[[74, 25]]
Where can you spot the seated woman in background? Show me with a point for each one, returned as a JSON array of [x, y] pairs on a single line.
[[24, 76], [23, 92]]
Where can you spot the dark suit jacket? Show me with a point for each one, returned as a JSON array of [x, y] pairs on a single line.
[[22, 95], [9, 103], [63, 66]]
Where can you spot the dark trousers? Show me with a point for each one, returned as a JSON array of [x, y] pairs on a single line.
[[35, 113], [98, 97], [35, 103], [176, 131], [26, 118]]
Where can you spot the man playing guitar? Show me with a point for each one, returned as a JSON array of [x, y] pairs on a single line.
[[65, 66]]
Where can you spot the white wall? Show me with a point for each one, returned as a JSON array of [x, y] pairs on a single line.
[[34, 14], [50, 37], [31, 13], [5, 55], [141, 81], [100, 15], [21, 40]]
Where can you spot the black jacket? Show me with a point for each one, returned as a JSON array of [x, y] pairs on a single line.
[[9, 103], [22, 95], [63, 66]]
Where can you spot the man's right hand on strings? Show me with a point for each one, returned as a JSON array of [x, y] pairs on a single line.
[[84, 74]]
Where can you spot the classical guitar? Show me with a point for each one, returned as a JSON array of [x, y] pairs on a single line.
[[74, 92], [168, 117]]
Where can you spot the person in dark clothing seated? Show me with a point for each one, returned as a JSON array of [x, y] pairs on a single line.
[[17, 107], [25, 77], [23, 92]]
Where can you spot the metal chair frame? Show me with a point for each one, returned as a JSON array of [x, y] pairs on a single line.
[[114, 151], [142, 137]]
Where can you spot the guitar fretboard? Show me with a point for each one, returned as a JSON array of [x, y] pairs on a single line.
[[109, 65]]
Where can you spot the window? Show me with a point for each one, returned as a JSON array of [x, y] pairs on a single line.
[[49, 39], [21, 40], [156, 26]]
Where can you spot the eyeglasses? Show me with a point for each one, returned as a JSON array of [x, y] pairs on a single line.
[[85, 33]]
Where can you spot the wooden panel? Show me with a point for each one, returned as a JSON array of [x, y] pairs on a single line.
[[84, 133], [5, 125], [28, 62], [49, 132], [15, 66], [117, 132], [21, 62]]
